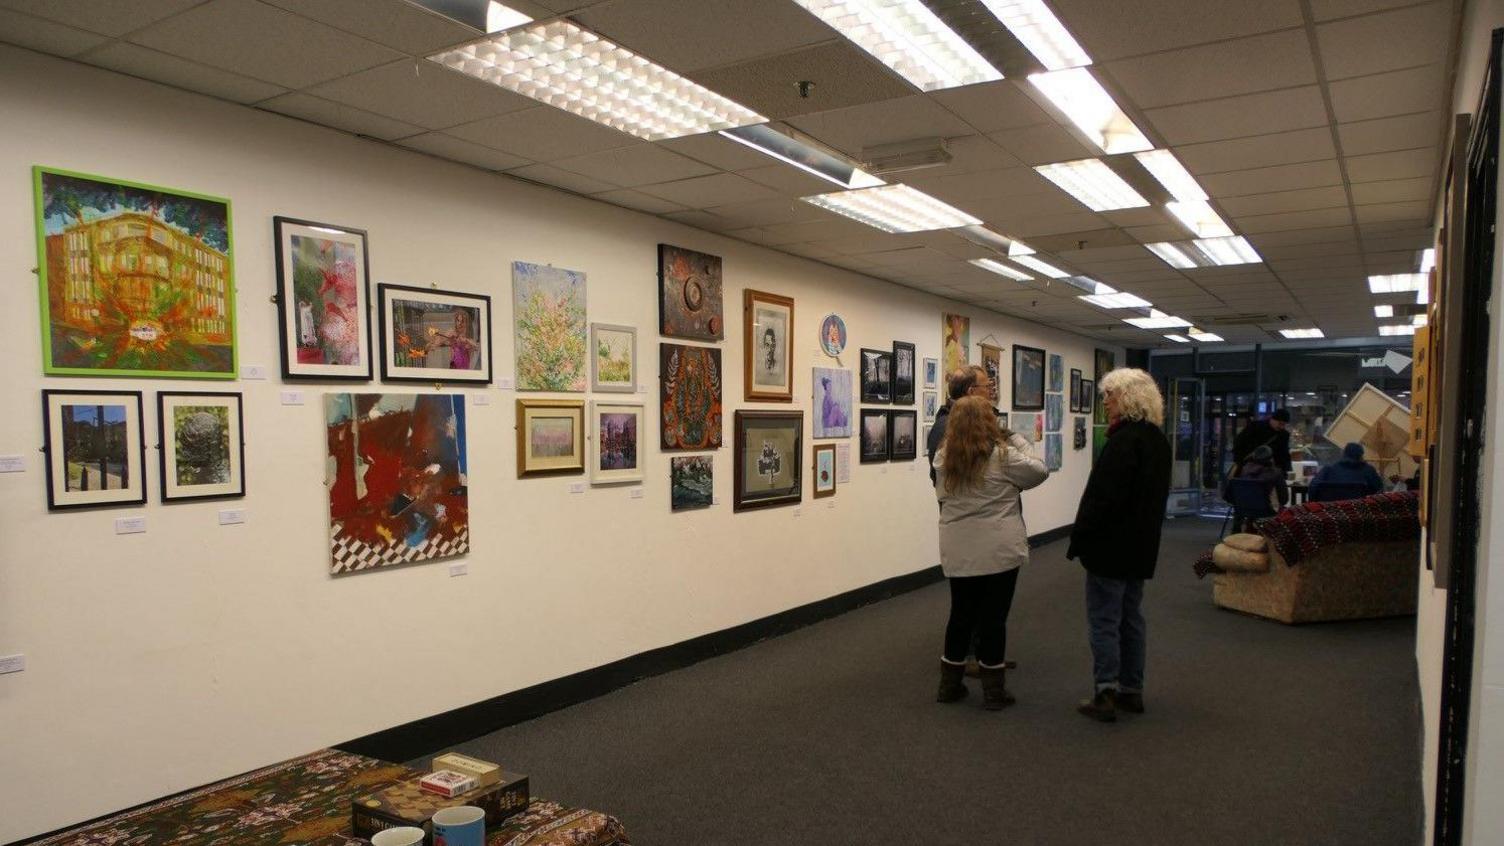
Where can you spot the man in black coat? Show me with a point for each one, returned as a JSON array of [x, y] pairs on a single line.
[[1273, 432], [967, 380], [1116, 538]]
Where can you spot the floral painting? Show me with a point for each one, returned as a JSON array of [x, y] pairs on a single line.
[[548, 314], [690, 396]]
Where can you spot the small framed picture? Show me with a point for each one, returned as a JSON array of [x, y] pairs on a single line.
[[932, 373], [95, 449], [825, 470], [613, 359], [769, 459], [874, 435], [201, 446], [1076, 392], [550, 437], [992, 363], [1088, 396], [616, 448], [323, 301], [877, 376], [768, 324], [691, 482], [833, 334], [903, 373], [903, 435], [428, 335], [1028, 378], [931, 405]]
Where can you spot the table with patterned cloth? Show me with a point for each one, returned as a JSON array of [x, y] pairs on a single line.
[[306, 802]]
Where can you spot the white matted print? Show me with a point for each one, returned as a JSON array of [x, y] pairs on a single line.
[[428, 335], [769, 344], [96, 452], [323, 300], [613, 358], [616, 453], [201, 445]]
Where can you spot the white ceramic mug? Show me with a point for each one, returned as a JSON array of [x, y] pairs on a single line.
[[404, 835], [461, 826]]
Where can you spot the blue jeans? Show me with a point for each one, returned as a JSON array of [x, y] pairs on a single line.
[[1117, 631]]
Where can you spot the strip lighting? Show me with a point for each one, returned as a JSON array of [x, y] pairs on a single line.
[[1019, 248], [1302, 333], [1037, 28], [1163, 165], [1001, 269], [1383, 311], [1400, 329], [1033, 263], [894, 208], [1179, 339], [1117, 299], [1204, 337], [1078, 95], [1093, 183], [1427, 259], [1199, 217], [1396, 283], [1229, 250], [1158, 320], [806, 157], [1420, 320], [907, 37], [1172, 255], [569, 68]]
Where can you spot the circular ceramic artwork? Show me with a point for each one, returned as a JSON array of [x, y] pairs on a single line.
[[833, 334]]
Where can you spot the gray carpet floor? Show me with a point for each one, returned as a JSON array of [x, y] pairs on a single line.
[[1256, 732]]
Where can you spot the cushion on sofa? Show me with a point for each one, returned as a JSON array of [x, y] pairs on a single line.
[[1239, 560]]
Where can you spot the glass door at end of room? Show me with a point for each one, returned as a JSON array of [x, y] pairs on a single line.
[[1184, 419]]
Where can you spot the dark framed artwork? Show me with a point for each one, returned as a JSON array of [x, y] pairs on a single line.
[[992, 362], [769, 468], [768, 348], [825, 470], [877, 376], [95, 448], [691, 482], [1028, 378], [1089, 395], [689, 294], [323, 300], [200, 445], [1080, 434], [1076, 393], [874, 435], [689, 396], [429, 335], [904, 367], [1057, 373], [903, 435]]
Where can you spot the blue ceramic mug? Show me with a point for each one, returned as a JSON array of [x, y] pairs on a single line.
[[462, 826]]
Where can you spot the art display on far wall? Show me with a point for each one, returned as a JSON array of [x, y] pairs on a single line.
[[428, 335], [992, 362], [614, 358], [95, 448], [548, 317], [832, 334], [689, 294], [550, 437], [903, 435], [323, 300], [1052, 451], [1029, 425], [1080, 438], [874, 435], [616, 448], [769, 459], [1057, 373], [932, 373], [201, 450], [1028, 378], [825, 470], [397, 478], [1076, 392], [691, 482], [1103, 363], [689, 394], [135, 280], [930, 404], [768, 348], [877, 376], [955, 342], [1054, 412], [903, 373], [832, 402]]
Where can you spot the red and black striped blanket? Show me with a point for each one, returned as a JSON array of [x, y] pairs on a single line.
[[1300, 531]]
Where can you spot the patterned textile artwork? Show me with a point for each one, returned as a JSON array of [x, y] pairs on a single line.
[[689, 291], [548, 315], [397, 479], [689, 396]]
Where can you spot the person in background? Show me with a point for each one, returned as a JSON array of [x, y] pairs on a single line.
[[970, 380], [980, 472], [1351, 469], [1260, 468], [1273, 432], [1116, 538]]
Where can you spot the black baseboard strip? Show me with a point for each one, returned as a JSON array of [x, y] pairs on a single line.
[[432, 734]]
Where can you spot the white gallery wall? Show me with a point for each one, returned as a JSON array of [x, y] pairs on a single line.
[[164, 660]]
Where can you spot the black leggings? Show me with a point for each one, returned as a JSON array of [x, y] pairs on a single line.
[[980, 604]]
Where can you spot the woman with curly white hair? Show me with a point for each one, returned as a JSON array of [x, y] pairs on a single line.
[[1116, 538]]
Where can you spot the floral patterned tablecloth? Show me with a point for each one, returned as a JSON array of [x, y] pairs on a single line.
[[306, 802]]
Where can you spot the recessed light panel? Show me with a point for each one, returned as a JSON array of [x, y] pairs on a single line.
[[807, 157], [1092, 182], [1172, 255], [1171, 174], [894, 208], [1046, 268], [1383, 311], [1396, 283], [1179, 339], [1204, 337], [1080, 97], [1119, 299], [1037, 28], [1158, 320], [1199, 217], [1302, 333], [907, 37], [1001, 269], [1401, 329]]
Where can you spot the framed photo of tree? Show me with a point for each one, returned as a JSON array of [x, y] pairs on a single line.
[[769, 459], [903, 373], [877, 376]]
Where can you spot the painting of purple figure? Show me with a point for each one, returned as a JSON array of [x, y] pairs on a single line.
[[832, 407]]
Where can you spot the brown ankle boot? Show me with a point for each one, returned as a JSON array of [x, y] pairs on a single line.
[[1133, 703], [995, 695], [952, 684], [1103, 707]]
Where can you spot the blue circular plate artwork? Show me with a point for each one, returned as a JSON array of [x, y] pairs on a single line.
[[833, 334]]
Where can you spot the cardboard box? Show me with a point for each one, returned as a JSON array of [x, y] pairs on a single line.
[[409, 804], [484, 772], [447, 783]]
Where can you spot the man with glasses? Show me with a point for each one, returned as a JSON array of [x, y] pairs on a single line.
[[968, 381]]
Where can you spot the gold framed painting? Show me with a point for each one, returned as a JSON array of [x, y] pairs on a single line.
[[550, 437]]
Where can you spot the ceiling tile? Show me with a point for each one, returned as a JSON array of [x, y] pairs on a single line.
[[1151, 234], [1318, 235], [256, 40], [1146, 216], [1293, 220], [1325, 10], [1401, 164], [113, 18], [698, 219], [396, 23], [688, 35], [47, 36], [627, 198], [339, 116], [1386, 94], [1395, 133], [1394, 191], [1037, 145], [787, 180], [904, 119], [826, 232], [1285, 201], [1263, 180], [1114, 30], [987, 184], [765, 213], [637, 165], [715, 190], [1387, 41], [1377, 212], [1009, 211], [992, 106], [550, 175], [1272, 252], [543, 133], [424, 93], [149, 64], [843, 75], [1301, 145], [1226, 68], [717, 151], [1033, 226], [1235, 117], [464, 152], [968, 155]]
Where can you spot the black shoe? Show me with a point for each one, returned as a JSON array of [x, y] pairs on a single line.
[[1133, 703], [952, 688], [1102, 707], [995, 695]]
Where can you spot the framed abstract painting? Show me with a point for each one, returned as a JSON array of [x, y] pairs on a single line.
[[1028, 378], [550, 437], [613, 358], [877, 376], [428, 335], [903, 435], [323, 300], [548, 319], [616, 454], [689, 396], [768, 347], [903, 373], [691, 482], [135, 280], [955, 342], [769, 459], [1079, 441], [992, 362], [825, 470], [930, 404], [1057, 373], [932, 373], [1076, 393], [689, 294], [832, 402], [874, 435], [95, 448], [201, 446]]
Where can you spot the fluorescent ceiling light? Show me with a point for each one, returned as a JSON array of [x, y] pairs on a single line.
[[1087, 284], [1001, 269], [806, 157], [1179, 339], [1401, 329], [1158, 320], [1427, 259], [1171, 174], [1420, 320], [1383, 311], [894, 208], [578, 71], [1302, 333], [1096, 185], [1019, 248], [1037, 28], [485, 15], [499, 17], [1225, 251], [1078, 95], [907, 37], [1423, 296], [1033, 263], [1204, 337], [1117, 299], [1396, 283], [1199, 217], [1172, 255]]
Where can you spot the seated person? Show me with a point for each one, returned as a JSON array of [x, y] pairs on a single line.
[[1350, 470], [1260, 467]]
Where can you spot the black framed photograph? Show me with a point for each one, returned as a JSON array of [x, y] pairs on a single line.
[[1076, 392], [903, 373], [200, 445], [1028, 378], [323, 302], [877, 376], [429, 335], [874, 435], [903, 435], [1088, 395], [769, 459], [94, 447]]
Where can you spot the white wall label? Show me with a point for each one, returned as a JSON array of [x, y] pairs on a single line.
[[576, 487], [504, 383], [230, 516], [635, 493], [459, 569], [253, 371], [843, 463], [129, 525], [12, 663], [480, 399], [12, 464], [292, 397]]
